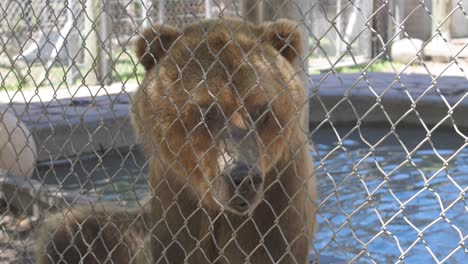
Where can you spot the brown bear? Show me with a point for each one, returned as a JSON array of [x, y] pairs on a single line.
[[220, 115]]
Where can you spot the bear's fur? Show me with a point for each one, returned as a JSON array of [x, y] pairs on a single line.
[[219, 115], [92, 234]]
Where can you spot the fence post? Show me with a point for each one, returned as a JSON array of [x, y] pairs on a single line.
[[105, 51], [207, 9], [251, 10], [338, 25], [440, 10], [144, 12], [92, 48], [381, 23], [161, 7], [438, 48]]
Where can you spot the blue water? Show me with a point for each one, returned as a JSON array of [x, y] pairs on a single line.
[[383, 198], [396, 202]]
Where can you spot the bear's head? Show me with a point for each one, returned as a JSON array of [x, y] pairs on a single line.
[[221, 106]]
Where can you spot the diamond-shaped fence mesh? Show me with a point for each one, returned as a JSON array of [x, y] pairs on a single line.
[[233, 131]]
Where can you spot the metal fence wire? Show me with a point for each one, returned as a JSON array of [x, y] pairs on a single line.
[[280, 132]]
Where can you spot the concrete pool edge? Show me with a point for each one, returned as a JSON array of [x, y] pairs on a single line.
[[66, 127], [387, 98], [32, 197]]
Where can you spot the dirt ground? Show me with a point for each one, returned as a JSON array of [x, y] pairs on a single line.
[[16, 236]]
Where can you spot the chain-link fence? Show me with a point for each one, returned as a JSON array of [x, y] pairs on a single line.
[[191, 142]]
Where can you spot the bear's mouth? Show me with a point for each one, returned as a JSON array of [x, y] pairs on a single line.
[[240, 206]]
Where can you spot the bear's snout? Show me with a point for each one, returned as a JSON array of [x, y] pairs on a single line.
[[245, 183], [242, 176]]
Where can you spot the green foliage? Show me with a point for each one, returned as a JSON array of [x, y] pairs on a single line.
[[124, 69], [377, 66]]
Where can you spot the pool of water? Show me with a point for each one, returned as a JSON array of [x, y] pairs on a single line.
[[384, 196]]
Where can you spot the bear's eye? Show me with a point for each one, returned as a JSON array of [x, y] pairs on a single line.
[[209, 113], [259, 115]]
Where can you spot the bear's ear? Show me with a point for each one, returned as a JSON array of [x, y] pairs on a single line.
[[153, 43], [285, 36]]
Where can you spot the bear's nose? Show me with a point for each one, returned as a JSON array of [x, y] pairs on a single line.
[[243, 175]]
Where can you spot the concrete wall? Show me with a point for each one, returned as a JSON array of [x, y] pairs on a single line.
[[419, 24], [459, 21]]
